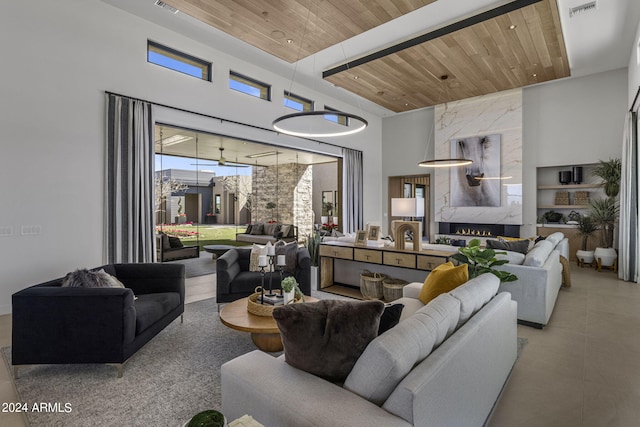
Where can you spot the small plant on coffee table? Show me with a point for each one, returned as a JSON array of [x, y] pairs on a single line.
[[288, 284]]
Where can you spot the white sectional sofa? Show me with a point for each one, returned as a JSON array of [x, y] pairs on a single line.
[[444, 364], [539, 275]]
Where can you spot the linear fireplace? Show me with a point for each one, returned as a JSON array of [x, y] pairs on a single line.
[[478, 230]]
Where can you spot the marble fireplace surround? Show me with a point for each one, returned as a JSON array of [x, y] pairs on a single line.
[[499, 113]]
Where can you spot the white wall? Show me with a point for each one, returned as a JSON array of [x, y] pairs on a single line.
[[564, 122], [58, 60]]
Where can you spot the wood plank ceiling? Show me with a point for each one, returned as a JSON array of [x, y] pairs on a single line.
[[515, 45], [268, 25]]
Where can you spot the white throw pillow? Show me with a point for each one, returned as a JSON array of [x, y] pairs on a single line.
[[554, 238], [512, 257], [256, 251], [537, 256]]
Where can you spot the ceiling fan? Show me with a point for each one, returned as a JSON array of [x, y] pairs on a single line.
[[222, 162]]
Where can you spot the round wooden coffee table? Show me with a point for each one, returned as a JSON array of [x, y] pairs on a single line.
[[264, 330]]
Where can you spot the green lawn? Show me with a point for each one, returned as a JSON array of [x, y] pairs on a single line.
[[204, 234]]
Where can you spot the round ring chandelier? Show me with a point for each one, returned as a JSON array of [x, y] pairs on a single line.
[[315, 124], [444, 163]]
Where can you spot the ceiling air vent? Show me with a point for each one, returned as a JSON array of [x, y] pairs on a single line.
[[583, 8], [166, 6]]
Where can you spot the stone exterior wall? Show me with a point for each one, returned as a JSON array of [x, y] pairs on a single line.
[[290, 187]]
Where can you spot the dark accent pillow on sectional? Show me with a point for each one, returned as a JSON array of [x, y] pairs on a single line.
[[327, 337], [175, 242], [257, 229], [248, 230], [521, 246], [390, 317]]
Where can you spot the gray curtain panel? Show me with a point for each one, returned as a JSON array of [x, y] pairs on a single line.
[[628, 224], [352, 199], [129, 231]]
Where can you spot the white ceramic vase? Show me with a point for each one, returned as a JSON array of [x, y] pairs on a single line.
[[586, 257], [289, 296], [314, 277], [335, 220], [324, 220], [607, 256]]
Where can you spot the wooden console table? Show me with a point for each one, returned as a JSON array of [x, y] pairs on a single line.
[[388, 260]]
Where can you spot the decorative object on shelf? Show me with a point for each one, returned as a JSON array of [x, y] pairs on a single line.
[[553, 216], [371, 284], [482, 261], [361, 238], [581, 198], [209, 418], [564, 177], [577, 174], [562, 198], [414, 228], [574, 217]]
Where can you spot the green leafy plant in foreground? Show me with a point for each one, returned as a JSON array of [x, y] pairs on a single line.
[[482, 261]]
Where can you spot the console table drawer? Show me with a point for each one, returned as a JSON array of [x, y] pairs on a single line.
[[400, 260], [336, 252], [426, 262], [367, 255]]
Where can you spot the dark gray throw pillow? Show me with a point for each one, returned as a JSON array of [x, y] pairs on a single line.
[[257, 229], [521, 246], [390, 317], [290, 252], [175, 242], [327, 337]]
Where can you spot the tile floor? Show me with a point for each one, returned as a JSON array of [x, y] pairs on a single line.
[[583, 369]]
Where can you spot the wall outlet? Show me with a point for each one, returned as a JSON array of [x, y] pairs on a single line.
[[31, 230]]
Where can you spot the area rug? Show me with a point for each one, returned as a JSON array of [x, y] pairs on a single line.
[[173, 377]]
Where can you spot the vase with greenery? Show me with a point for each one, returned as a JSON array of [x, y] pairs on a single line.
[[610, 173], [288, 285], [313, 246], [482, 261], [603, 213]]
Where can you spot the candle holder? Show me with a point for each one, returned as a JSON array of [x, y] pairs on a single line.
[[262, 286], [271, 257], [281, 269]]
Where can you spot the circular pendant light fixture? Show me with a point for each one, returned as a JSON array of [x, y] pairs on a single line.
[[444, 163], [319, 124]]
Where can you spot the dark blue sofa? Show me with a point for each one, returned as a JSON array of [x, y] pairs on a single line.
[[62, 325]]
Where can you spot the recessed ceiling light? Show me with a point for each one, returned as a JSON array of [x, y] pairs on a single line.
[[289, 41], [513, 27], [175, 139], [355, 77], [265, 154], [534, 75]]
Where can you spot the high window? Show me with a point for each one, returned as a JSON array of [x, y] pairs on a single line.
[[178, 61], [297, 102], [249, 86], [336, 118]]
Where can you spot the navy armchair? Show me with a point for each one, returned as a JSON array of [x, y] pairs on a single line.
[[62, 325], [235, 281]]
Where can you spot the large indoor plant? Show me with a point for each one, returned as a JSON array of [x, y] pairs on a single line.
[[586, 228], [604, 211], [313, 246], [482, 261], [610, 172]]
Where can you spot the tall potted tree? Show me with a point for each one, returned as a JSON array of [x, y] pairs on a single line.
[[604, 212], [586, 228]]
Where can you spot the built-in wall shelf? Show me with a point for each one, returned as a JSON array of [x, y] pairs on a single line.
[[548, 185], [563, 207], [568, 187]]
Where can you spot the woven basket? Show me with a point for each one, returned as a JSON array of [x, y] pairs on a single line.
[[392, 288], [371, 284], [264, 310]]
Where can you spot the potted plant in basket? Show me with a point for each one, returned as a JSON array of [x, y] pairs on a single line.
[[482, 261], [586, 227]]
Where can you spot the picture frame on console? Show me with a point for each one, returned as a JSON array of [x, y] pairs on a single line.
[[361, 238], [374, 232]]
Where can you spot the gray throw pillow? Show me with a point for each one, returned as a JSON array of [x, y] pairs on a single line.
[[84, 278], [327, 337], [175, 242], [257, 229], [290, 252], [521, 246]]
